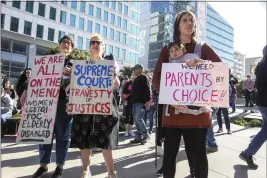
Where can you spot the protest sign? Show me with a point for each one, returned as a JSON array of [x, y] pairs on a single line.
[[91, 88], [205, 85], [38, 113]]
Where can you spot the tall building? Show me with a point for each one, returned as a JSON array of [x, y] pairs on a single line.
[[220, 35], [239, 65], [250, 64], [156, 26], [28, 27]]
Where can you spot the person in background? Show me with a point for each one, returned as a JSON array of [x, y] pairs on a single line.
[[97, 131], [211, 141], [248, 88], [22, 84], [63, 121], [233, 82], [261, 102], [8, 88], [128, 107], [141, 96], [6, 110], [152, 110]]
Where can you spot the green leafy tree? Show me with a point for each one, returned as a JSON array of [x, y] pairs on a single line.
[[75, 54], [239, 88], [126, 71]]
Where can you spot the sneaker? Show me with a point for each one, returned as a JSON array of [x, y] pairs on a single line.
[[126, 134], [40, 172], [58, 173], [210, 149], [113, 175], [160, 172], [160, 151], [220, 130], [132, 133], [134, 141], [248, 160], [86, 174], [229, 132]]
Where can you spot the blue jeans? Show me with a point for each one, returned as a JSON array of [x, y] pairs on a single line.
[[4, 117], [62, 131], [261, 136], [211, 141], [138, 114], [151, 112]]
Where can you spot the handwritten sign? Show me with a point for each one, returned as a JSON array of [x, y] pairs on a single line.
[[91, 88], [205, 85], [38, 113]]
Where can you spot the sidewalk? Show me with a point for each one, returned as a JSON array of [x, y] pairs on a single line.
[[138, 161]]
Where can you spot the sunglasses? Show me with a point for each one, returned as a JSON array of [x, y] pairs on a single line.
[[95, 42]]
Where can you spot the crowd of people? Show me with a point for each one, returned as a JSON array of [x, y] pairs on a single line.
[[139, 98]]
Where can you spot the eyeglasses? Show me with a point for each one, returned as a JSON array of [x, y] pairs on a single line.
[[66, 42], [95, 42]]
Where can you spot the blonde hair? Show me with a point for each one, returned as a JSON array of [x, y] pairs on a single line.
[[98, 37]]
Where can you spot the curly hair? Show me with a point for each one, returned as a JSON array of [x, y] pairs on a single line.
[[176, 32], [21, 82]]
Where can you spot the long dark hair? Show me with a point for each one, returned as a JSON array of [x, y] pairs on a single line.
[[4, 82], [264, 52], [176, 32], [21, 82]]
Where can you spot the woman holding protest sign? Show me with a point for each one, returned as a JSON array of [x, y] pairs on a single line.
[[193, 127], [63, 121], [96, 131]]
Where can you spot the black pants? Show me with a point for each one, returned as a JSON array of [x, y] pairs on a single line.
[[160, 130], [195, 147], [248, 98], [129, 114], [225, 113]]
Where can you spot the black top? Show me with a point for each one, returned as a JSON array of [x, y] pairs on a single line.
[[62, 92], [127, 90], [261, 83], [141, 91]]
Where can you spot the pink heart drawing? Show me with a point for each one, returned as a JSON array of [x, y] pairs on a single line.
[[50, 110], [52, 123], [52, 134], [24, 115], [18, 134], [55, 102], [46, 115]]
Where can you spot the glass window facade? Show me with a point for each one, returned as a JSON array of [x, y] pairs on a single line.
[[105, 32], [29, 6], [51, 34], [73, 4], [110, 49], [97, 28], [60, 35], [63, 17], [41, 10], [64, 3], [2, 20], [27, 28], [91, 10], [133, 43], [52, 14], [80, 42], [120, 7], [123, 54], [125, 10], [124, 24], [117, 52], [89, 26], [105, 16], [135, 16], [39, 31], [87, 45], [112, 19], [14, 24], [123, 38], [72, 20], [82, 6], [111, 34], [98, 13], [16, 4], [81, 23], [118, 36], [106, 3], [113, 5], [119, 21]]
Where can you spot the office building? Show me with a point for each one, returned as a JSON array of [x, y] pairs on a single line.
[[29, 27], [250, 64], [220, 35], [156, 26], [238, 69]]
